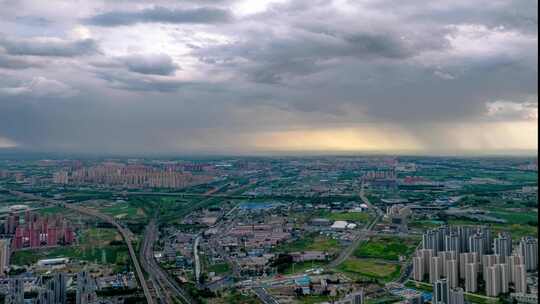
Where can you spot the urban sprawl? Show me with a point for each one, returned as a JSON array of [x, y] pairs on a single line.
[[340, 229]]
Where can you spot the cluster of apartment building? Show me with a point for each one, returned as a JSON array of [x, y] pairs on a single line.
[[443, 294], [37, 231], [129, 176], [380, 178], [52, 289], [379, 175], [471, 255], [5, 254], [18, 176], [398, 214]]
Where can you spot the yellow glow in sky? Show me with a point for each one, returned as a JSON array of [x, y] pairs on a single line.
[[6, 143], [342, 139], [465, 137]]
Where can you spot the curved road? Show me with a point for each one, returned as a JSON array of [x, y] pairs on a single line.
[[361, 235], [126, 234]]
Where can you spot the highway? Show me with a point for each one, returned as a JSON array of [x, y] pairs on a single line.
[[222, 195], [361, 235], [368, 203], [196, 258], [166, 283], [125, 233], [264, 296], [163, 296]]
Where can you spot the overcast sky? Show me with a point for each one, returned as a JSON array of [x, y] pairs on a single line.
[[246, 76]]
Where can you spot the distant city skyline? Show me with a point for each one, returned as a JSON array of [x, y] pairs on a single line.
[[273, 77]]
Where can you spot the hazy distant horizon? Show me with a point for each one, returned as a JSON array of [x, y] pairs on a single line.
[[18, 153]]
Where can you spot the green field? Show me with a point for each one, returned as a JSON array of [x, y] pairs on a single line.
[[123, 210], [370, 268], [387, 248], [312, 242], [108, 255], [219, 268], [51, 210], [237, 298], [513, 217], [94, 246], [461, 172], [99, 236], [313, 299], [425, 224], [384, 300], [516, 230]]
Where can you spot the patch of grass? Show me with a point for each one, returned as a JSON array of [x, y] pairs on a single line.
[[312, 242], [108, 255], [122, 210], [219, 268], [99, 236], [480, 300], [425, 224], [384, 300], [419, 286], [94, 245], [235, 297], [387, 248], [513, 217], [357, 217], [371, 268], [313, 299]]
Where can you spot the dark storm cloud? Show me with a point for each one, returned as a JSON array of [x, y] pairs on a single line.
[[121, 79], [101, 123], [428, 98], [272, 58], [139, 72], [161, 15], [33, 21], [520, 14], [160, 64], [37, 87], [379, 45], [16, 63], [48, 46]]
